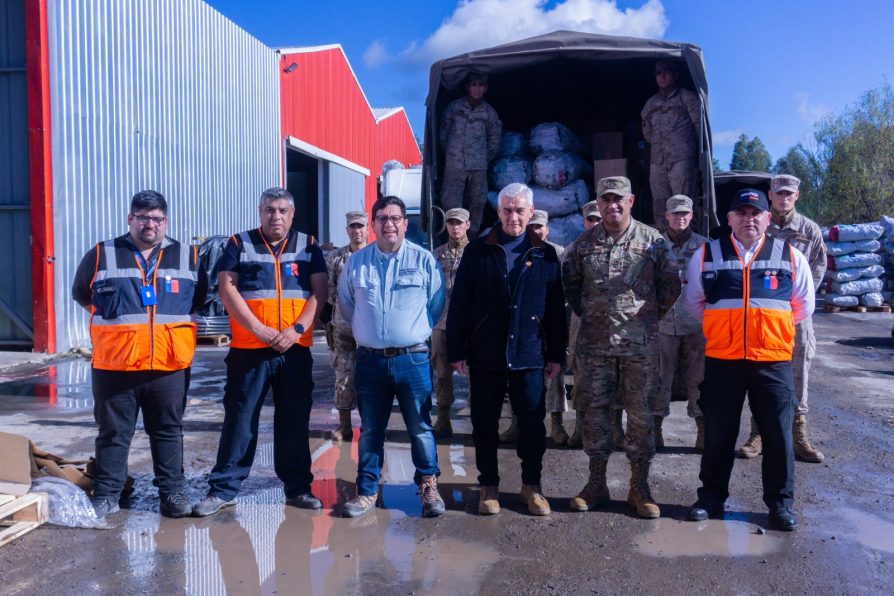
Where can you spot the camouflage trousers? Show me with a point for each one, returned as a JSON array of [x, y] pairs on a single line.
[[689, 352], [667, 180], [602, 380], [468, 189], [805, 350], [341, 359], [442, 369], [555, 394]]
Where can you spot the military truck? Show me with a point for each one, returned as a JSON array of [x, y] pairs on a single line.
[[590, 83]]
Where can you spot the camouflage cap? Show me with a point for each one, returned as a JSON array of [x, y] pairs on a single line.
[[665, 65], [591, 208], [457, 213], [784, 182], [679, 204], [540, 218], [355, 217], [613, 185]]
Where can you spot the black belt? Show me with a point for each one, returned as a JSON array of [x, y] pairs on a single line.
[[390, 352]]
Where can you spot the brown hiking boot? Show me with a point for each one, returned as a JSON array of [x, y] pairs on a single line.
[[753, 446], [511, 433], [443, 428], [344, 432], [432, 503], [557, 431], [700, 434], [659, 438], [804, 451], [618, 429], [532, 496], [596, 490], [640, 497], [577, 437], [489, 500]]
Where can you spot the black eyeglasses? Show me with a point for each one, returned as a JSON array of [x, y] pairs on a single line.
[[145, 219], [383, 219]]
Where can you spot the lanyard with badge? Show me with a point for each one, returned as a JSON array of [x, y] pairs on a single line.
[[147, 290]]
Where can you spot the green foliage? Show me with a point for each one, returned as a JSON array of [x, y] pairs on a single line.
[[740, 160], [715, 164], [750, 155]]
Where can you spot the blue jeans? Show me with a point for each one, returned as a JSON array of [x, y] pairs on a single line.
[[378, 380], [250, 374]]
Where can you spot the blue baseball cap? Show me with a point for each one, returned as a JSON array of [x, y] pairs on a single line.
[[752, 197]]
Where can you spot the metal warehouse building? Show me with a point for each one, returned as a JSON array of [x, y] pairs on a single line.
[[101, 99]]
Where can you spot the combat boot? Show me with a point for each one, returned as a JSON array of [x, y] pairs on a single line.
[[344, 432], [640, 497], [557, 431], [596, 490], [511, 433], [577, 437], [432, 503], [489, 500], [659, 438], [700, 434], [618, 429], [804, 451], [753, 446], [532, 496], [443, 428]]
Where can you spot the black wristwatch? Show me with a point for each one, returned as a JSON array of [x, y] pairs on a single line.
[[299, 328]]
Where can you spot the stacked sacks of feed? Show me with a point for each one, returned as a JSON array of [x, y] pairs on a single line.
[[513, 162], [855, 265], [887, 224], [560, 174]]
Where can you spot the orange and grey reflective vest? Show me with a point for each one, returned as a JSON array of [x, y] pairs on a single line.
[[274, 282], [748, 312], [128, 336]]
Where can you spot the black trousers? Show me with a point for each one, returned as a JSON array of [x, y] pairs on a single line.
[[118, 396], [771, 396], [526, 392]]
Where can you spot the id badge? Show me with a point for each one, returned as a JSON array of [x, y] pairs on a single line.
[[147, 295]]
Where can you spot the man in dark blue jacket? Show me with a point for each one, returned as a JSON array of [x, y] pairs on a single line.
[[506, 329]]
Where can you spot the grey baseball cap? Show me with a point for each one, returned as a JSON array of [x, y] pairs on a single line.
[[540, 218], [457, 213], [679, 204], [353, 217]]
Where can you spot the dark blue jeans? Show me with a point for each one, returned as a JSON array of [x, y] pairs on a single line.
[[250, 374], [118, 396], [379, 379], [771, 396], [526, 393]]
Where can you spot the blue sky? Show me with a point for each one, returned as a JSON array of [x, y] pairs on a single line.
[[774, 67]]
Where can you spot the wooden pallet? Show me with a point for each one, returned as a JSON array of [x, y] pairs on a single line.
[[832, 308], [214, 340], [20, 515]]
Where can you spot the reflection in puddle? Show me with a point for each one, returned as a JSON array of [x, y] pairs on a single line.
[[64, 385], [672, 538], [869, 530]]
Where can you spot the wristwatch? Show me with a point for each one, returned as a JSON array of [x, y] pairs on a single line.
[[299, 328]]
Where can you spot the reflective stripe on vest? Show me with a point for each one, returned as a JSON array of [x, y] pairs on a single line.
[[748, 312], [278, 288], [128, 336]]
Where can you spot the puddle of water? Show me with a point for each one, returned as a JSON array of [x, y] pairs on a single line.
[[869, 530], [672, 538], [61, 386]]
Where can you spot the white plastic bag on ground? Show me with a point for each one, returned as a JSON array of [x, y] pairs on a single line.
[[507, 170], [561, 201], [858, 287], [565, 230], [872, 299], [839, 300], [555, 169], [68, 504], [553, 136], [845, 248], [512, 144], [852, 232], [857, 259]]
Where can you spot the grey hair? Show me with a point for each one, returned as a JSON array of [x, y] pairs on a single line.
[[276, 193], [517, 190]]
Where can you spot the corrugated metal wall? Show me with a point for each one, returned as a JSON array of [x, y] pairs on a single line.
[[167, 95], [345, 192], [15, 223]]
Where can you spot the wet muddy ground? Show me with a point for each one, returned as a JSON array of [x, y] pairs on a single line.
[[845, 544]]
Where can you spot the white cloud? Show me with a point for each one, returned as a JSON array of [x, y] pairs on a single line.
[[811, 112], [477, 24], [376, 54], [726, 137]]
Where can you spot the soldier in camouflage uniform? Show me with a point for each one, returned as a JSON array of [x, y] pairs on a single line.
[[680, 337], [448, 256], [469, 137], [617, 280], [341, 339], [805, 235], [671, 120]]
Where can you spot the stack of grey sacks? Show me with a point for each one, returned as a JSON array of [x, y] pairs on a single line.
[[856, 273], [550, 161], [888, 244]]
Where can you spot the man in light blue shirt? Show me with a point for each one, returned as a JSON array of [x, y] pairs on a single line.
[[392, 293]]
